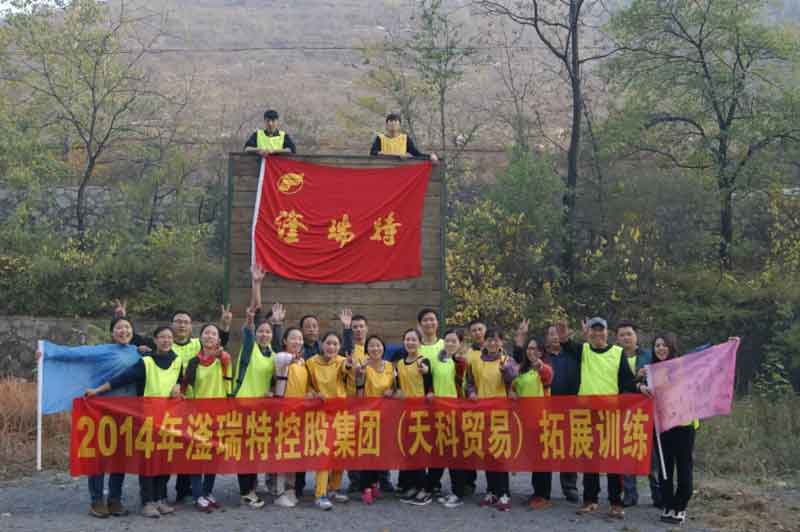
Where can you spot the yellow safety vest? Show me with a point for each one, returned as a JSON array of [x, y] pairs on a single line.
[[209, 382], [487, 377], [410, 379], [393, 145], [159, 382], [258, 375], [266, 142], [444, 377], [600, 371], [431, 351], [377, 382]]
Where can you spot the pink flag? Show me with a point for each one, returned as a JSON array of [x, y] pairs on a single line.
[[694, 386]]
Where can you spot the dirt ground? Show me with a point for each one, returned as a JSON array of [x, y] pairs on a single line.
[[56, 502]]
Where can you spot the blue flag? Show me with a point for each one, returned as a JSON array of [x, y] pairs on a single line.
[[68, 371]]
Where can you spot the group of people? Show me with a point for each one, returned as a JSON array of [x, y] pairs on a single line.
[[393, 142], [298, 361]]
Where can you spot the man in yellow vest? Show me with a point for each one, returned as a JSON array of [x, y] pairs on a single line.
[[602, 370], [395, 142], [270, 140]]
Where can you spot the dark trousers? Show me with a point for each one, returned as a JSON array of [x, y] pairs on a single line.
[[677, 444], [183, 486], [497, 483], [353, 478], [542, 484], [367, 479], [247, 483], [458, 480], [569, 483], [591, 488], [202, 485], [299, 484], [471, 478], [96, 484], [153, 489], [412, 478]]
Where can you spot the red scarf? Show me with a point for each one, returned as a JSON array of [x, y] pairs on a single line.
[[206, 359]]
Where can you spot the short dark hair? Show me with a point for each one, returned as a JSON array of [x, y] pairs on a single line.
[[359, 317], [494, 332], [162, 328], [286, 334], [525, 364], [475, 322], [117, 320], [375, 337], [626, 323], [458, 332], [427, 310], [307, 316], [331, 333], [271, 114], [180, 312], [415, 331], [394, 116]]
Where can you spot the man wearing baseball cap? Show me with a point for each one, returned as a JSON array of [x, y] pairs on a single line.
[[602, 370], [270, 140]]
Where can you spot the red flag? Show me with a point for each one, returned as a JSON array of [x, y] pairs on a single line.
[[328, 224]]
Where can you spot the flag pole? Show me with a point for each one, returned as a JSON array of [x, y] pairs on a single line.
[[658, 431], [39, 393]]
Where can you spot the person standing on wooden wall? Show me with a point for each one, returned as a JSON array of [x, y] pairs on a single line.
[[270, 140]]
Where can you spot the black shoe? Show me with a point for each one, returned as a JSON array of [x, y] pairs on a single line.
[[629, 501], [386, 485]]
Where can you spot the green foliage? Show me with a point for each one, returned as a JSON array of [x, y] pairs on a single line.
[[169, 269], [759, 438]]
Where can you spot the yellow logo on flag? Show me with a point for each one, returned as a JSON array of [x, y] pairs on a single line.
[[290, 183]]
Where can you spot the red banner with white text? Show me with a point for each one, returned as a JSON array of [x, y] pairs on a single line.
[[328, 224], [153, 436]]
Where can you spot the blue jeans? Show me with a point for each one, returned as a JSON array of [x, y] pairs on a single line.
[[202, 485], [96, 483]]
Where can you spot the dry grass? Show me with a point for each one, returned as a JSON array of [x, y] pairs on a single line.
[[18, 431]]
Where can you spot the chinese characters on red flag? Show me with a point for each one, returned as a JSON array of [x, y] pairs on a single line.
[[327, 224], [154, 436]]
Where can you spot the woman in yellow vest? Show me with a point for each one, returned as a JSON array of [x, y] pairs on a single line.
[[207, 376], [490, 375], [155, 375], [376, 378], [255, 367], [445, 384], [677, 446], [291, 381], [601, 371], [395, 142], [328, 373], [270, 140], [413, 380], [534, 379]]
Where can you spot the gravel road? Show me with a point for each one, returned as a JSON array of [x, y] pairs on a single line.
[[55, 502]]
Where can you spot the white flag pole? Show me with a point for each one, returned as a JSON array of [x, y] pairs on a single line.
[[39, 393], [658, 432]]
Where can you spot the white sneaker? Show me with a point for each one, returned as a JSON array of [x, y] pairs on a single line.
[[452, 501], [292, 496], [680, 517], [323, 503], [340, 497], [441, 499], [285, 501], [252, 500], [667, 516], [408, 495]]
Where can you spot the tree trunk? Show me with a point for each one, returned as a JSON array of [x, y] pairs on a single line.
[[726, 227], [80, 207], [570, 233]]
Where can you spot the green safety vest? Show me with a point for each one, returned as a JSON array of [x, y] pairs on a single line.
[[188, 351], [159, 382], [600, 371], [444, 377], [431, 351], [266, 142], [209, 383], [528, 384], [258, 375]]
